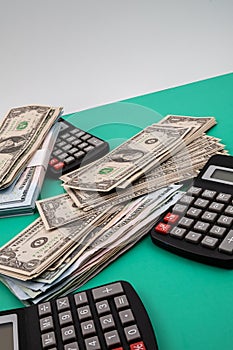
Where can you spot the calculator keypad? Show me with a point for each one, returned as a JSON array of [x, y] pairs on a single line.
[[74, 146], [200, 222], [99, 318]]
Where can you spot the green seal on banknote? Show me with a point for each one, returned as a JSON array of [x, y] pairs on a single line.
[[106, 170]]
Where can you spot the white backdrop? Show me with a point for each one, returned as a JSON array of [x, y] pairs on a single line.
[[80, 54]]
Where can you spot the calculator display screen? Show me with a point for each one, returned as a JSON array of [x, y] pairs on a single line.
[[6, 336], [222, 175], [9, 332]]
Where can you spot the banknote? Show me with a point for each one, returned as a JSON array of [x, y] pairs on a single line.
[[196, 126], [19, 198], [22, 131], [60, 210], [199, 124], [106, 248], [183, 166], [141, 212], [152, 143], [35, 248]]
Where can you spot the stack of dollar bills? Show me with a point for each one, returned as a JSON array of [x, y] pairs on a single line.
[[27, 137], [107, 207]]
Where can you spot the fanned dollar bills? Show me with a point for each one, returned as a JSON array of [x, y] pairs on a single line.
[[22, 132], [20, 197], [109, 205]]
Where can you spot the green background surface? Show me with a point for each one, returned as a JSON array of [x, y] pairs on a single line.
[[190, 304]]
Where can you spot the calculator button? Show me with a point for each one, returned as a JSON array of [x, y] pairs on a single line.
[[186, 200], [71, 139], [80, 133], [85, 137], [171, 218], [215, 206], [65, 136], [79, 155], [138, 346], [126, 316], [195, 191], [102, 307], [89, 148], [48, 340], [223, 197], [84, 312], [61, 144], [179, 208], [92, 343], [229, 210], [46, 324], [53, 161], [80, 298], [209, 194], [225, 220], [44, 309], [88, 328], [209, 216], [76, 142], [193, 237], [94, 141], [63, 303], [107, 322], [68, 333], [73, 150], [132, 333], [178, 232], [186, 222], [163, 228], [75, 130], [121, 302], [82, 145], [194, 212], [71, 346], [59, 166], [69, 160], [201, 226], [209, 242], [109, 290], [67, 147], [112, 338], [201, 203], [227, 244], [65, 318], [57, 152], [217, 231], [62, 156]]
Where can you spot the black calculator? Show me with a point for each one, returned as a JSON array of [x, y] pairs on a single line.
[[74, 147], [108, 317], [200, 225]]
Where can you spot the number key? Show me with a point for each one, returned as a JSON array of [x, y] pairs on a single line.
[[68, 333], [215, 206], [225, 220], [209, 216], [223, 197]]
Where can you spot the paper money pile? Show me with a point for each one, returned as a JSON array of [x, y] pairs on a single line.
[[108, 207], [170, 151], [27, 137]]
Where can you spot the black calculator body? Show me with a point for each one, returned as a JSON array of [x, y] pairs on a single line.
[[200, 225], [110, 316], [74, 147]]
